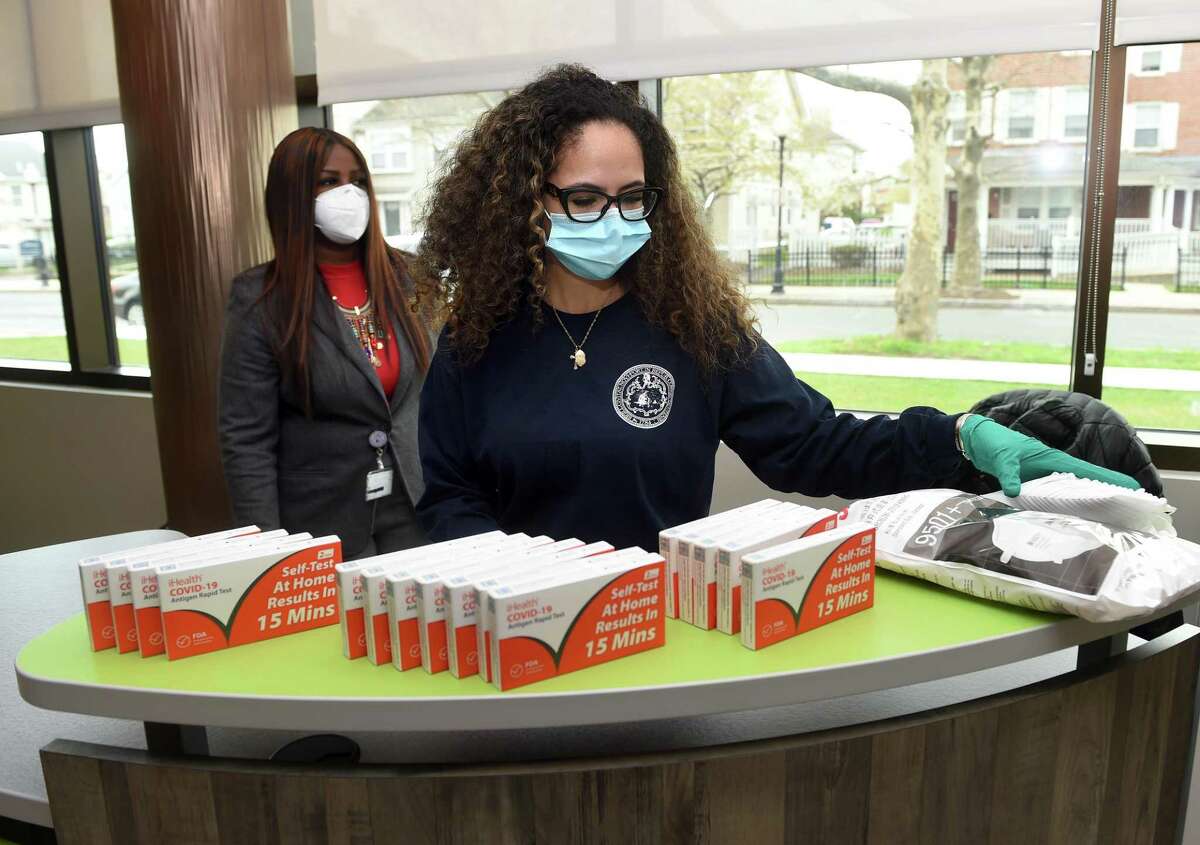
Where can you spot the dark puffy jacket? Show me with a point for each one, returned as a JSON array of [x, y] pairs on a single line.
[[1078, 425]]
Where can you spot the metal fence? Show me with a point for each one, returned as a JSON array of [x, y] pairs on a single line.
[[859, 264]]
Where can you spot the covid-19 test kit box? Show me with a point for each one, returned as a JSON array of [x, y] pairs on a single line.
[[676, 552], [701, 564], [362, 593], [800, 585], [801, 522], [393, 592], [514, 572], [93, 580], [462, 598], [568, 623], [263, 593], [143, 582], [431, 595]]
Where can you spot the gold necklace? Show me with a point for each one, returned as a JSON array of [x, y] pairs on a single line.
[[365, 328], [579, 357]]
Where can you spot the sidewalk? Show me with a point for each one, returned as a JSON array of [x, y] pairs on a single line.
[[26, 284], [961, 368], [1136, 297]]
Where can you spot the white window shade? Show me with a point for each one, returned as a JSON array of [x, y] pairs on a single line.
[[57, 65], [372, 49], [1157, 21]]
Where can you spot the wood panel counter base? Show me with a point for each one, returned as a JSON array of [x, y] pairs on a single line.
[[1097, 755]]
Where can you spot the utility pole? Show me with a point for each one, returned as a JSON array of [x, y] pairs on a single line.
[[777, 287]]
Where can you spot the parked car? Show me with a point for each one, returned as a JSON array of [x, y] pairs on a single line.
[[118, 250], [875, 229], [837, 227], [127, 298]]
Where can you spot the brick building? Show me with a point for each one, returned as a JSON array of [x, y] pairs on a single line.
[[1036, 111]]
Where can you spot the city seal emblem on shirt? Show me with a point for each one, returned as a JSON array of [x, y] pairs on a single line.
[[643, 394]]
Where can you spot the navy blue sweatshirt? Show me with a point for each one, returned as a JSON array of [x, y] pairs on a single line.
[[626, 445]]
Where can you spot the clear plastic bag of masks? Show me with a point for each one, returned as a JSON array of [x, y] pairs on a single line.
[[1055, 562]]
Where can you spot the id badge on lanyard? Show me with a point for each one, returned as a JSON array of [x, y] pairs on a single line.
[[379, 480]]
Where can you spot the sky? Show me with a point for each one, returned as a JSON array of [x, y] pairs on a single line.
[[876, 123], [109, 141]]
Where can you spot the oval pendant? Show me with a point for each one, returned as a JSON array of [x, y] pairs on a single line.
[[580, 358]]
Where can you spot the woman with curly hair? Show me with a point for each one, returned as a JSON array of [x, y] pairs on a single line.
[[597, 348]]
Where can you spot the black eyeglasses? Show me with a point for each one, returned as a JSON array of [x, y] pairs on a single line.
[[587, 205]]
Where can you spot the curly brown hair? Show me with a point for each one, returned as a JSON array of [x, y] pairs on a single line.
[[483, 249]]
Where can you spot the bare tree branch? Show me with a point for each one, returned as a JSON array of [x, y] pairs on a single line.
[[854, 82]]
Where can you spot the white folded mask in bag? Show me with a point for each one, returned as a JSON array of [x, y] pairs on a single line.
[[1119, 507], [1055, 562]]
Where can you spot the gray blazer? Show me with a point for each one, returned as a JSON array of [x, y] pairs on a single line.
[[285, 470]]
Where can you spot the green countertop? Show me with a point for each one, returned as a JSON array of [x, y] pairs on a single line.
[[908, 616]]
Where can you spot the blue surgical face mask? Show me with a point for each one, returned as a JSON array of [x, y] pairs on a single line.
[[595, 250]]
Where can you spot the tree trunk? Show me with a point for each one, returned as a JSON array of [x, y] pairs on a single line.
[[918, 287], [968, 263]]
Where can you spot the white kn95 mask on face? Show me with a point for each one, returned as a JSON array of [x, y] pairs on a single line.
[[342, 213]]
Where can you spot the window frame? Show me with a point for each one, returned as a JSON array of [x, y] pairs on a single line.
[[83, 279]]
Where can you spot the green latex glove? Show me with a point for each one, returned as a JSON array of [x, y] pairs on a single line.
[[1012, 457]]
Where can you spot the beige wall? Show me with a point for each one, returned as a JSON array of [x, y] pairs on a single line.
[[76, 463]]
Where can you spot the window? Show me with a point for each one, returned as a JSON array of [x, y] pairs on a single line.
[[1029, 203], [405, 140], [1152, 358], [849, 174], [1075, 117], [391, 218], [116, 209], [1151, 61], [397, 219], [1064, 202], [390, 150], [958, 121], [31, 309], [1022, 105], [1146, 125]]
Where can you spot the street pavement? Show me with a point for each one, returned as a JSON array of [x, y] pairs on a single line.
[[1142, 317]]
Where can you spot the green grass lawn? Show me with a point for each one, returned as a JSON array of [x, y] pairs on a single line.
[[1146, 408], [1020, 353], [132, 352]]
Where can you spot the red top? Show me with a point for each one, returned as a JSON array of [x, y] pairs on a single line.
[[348, 285]]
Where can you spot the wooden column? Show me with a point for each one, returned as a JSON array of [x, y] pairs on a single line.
[[206, 93]]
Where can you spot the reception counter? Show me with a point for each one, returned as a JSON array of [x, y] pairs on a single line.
[[1084, 752]]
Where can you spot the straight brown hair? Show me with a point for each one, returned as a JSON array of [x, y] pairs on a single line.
[[291, 282]]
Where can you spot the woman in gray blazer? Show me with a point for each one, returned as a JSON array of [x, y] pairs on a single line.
[[322, 361]]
